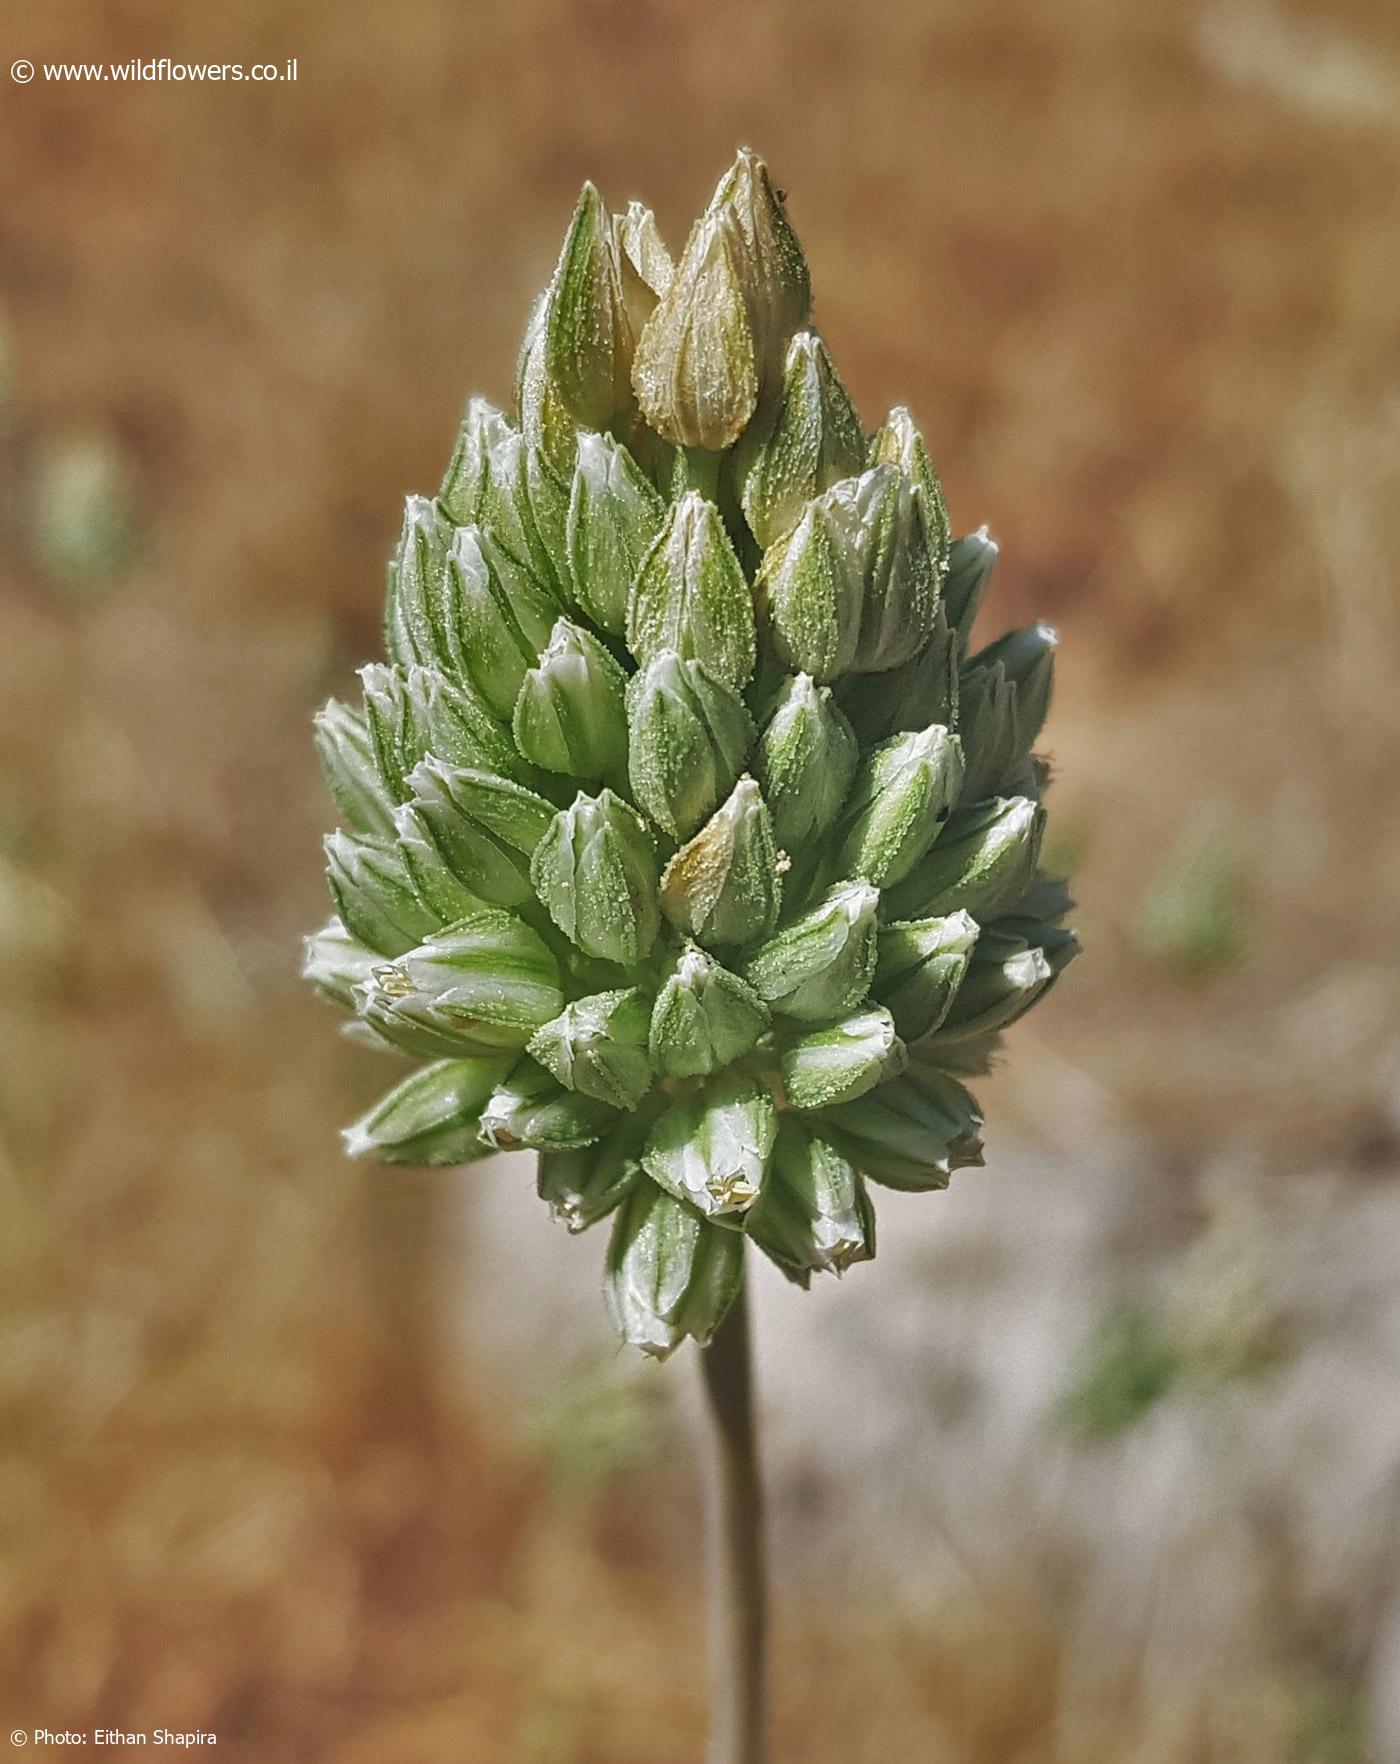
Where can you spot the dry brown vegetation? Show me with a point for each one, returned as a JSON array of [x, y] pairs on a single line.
[[1135, 269]]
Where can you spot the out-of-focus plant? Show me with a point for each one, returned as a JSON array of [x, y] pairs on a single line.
[[85, 528], [684, 841], [1193, 916]]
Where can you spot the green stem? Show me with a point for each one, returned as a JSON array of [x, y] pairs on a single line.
[[737, 1590]]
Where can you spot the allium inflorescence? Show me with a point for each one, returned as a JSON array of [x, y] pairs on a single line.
[[683, 837]]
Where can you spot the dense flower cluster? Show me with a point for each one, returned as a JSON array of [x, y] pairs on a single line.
[[683, 838]]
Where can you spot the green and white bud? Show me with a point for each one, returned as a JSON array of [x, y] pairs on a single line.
[[501, 617], [670, 1273], [486, 827], [842, 1060], [814, 1214], [987, 723], [724, 886], [411, 629], [614, 515], [532, 1108], [599, 1045], [1004, 978], [482, 985], [691, 597], [918, 692], [571, 714], [911, 1133], [903, 793], [525, 506], [432, 1117], [545, 419], [374, 893], [704, 1018], [582, 1185], [899, 443], [814, 441], [805, 762], [412, 714], [336, 963], [820, 966], [690, 735], [1027, 658], [711, 1148], [983, 862], [352, 773], [639, 237], [971, 561], [919, 967], [595, 872], [464, 487], [434, 880], [598, 305]]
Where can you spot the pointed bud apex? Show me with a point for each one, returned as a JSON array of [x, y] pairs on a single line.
[[704, 1018], [374, 893], [570, 715], [597, 305], [920, 965], [412, 618], [971, 561], [418, 713], [585, 1184], [638, 237], [525, 507], [484, 984], [712, 1148], [460, 497], [432, 1118], [546, 421], [336, 963], [1003, 980], [690, 596], [595, 871], [500, 616], [614, 515], [485, 827], [814, 442], [819, 967], [911, 1133], [984, 860], [1027, 659], [689, 739], [347, 759], [814, 1214], [434, 880], [805, 762], [773, 270], [842, 1061], [723, 886], [598, 1045], [918, 692], [903, 793], [531, 1108], [670, 1274], [900, 444]]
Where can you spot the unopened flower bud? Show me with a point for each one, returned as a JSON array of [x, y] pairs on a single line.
[[347, 759], [899, 443], [595, 871], [814, 441], [711, 1148], [432, 1118], [599, 1045], [903, 793], [336, 963], [571, 715], [434, 880], [704, 1018], [670, 1273], [545, 419], [723, 886], [805, 761], [1027, 658], [598, 304], [374, 893], [918, 692], [842, 1060], [412, 624], [1003, 980], [586, 1183], [814, 1214], [419, 712], [691, 596], [639, 237], [911, 1133], [819, 967], [464, 486], [988, 727], [484, 984], [614, 515], [919, 967], [485, 826], [532, 1108], [689, 740], [984, 860], [776, 281], [525, 506], [501, 617], [971, 561]]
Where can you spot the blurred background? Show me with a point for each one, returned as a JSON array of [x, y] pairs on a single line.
[[1103, 1463]]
